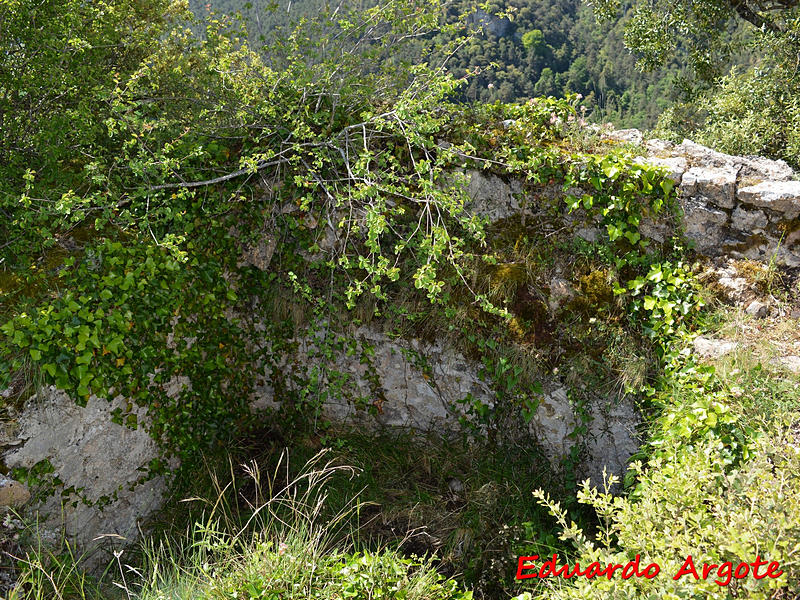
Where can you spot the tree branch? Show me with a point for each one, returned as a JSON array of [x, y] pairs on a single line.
[[220, 179], [749, 15]]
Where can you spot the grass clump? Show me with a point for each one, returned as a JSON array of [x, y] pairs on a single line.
[[283, 543], [463, 503]]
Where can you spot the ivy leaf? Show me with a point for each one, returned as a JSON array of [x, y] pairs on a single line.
[[633, 236]]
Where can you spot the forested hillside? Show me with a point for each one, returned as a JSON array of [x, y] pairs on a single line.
[[524, 48]]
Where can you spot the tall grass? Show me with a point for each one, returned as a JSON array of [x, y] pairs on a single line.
[[275, 542]]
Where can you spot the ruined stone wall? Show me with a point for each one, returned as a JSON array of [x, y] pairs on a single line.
[[741, 207], [736, 206], [428, 386]]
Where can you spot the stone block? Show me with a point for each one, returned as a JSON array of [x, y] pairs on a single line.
[[713, 349], [626, 136], [490, 196], [704, 225], [779, 196], [717, 185], [676, 166], [748, 221], [13, 494]]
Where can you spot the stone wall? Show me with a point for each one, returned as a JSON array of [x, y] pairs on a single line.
[[744, 207], [88, 474], [428, 387], [741, 207]]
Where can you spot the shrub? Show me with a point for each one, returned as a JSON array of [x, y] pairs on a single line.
[[687, 502]]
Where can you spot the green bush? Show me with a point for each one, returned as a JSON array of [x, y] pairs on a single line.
[[755, 112], [689, 500]]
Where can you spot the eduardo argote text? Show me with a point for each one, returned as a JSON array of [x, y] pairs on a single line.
[[722, 574]]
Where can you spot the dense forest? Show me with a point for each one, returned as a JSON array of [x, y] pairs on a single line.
[[523, 48], [718, 76]]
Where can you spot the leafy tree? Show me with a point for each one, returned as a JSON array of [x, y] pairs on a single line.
[[130, 192], [533, 41], [59, 62], [658, 29], [546, 86], [753, 110], [510, 45]]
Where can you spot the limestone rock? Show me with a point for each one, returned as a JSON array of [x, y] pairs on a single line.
[[786, 253], [552, 423], [496, 25], [779, 196], [716, 185], [429, 387], [735, 288], [590, 234], [757, 309], [658, 230], [750, 167], [627, 136], [742, 206], [259, 255], [8, 435], [90, 453], [676, 166], [790, 363], [660, 147], [748, 220], [610, 442], [704, 225], [401, 392], [491, 196], [713, 349], [758, 167], [703, 156], [612, 439], [13, 493]]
